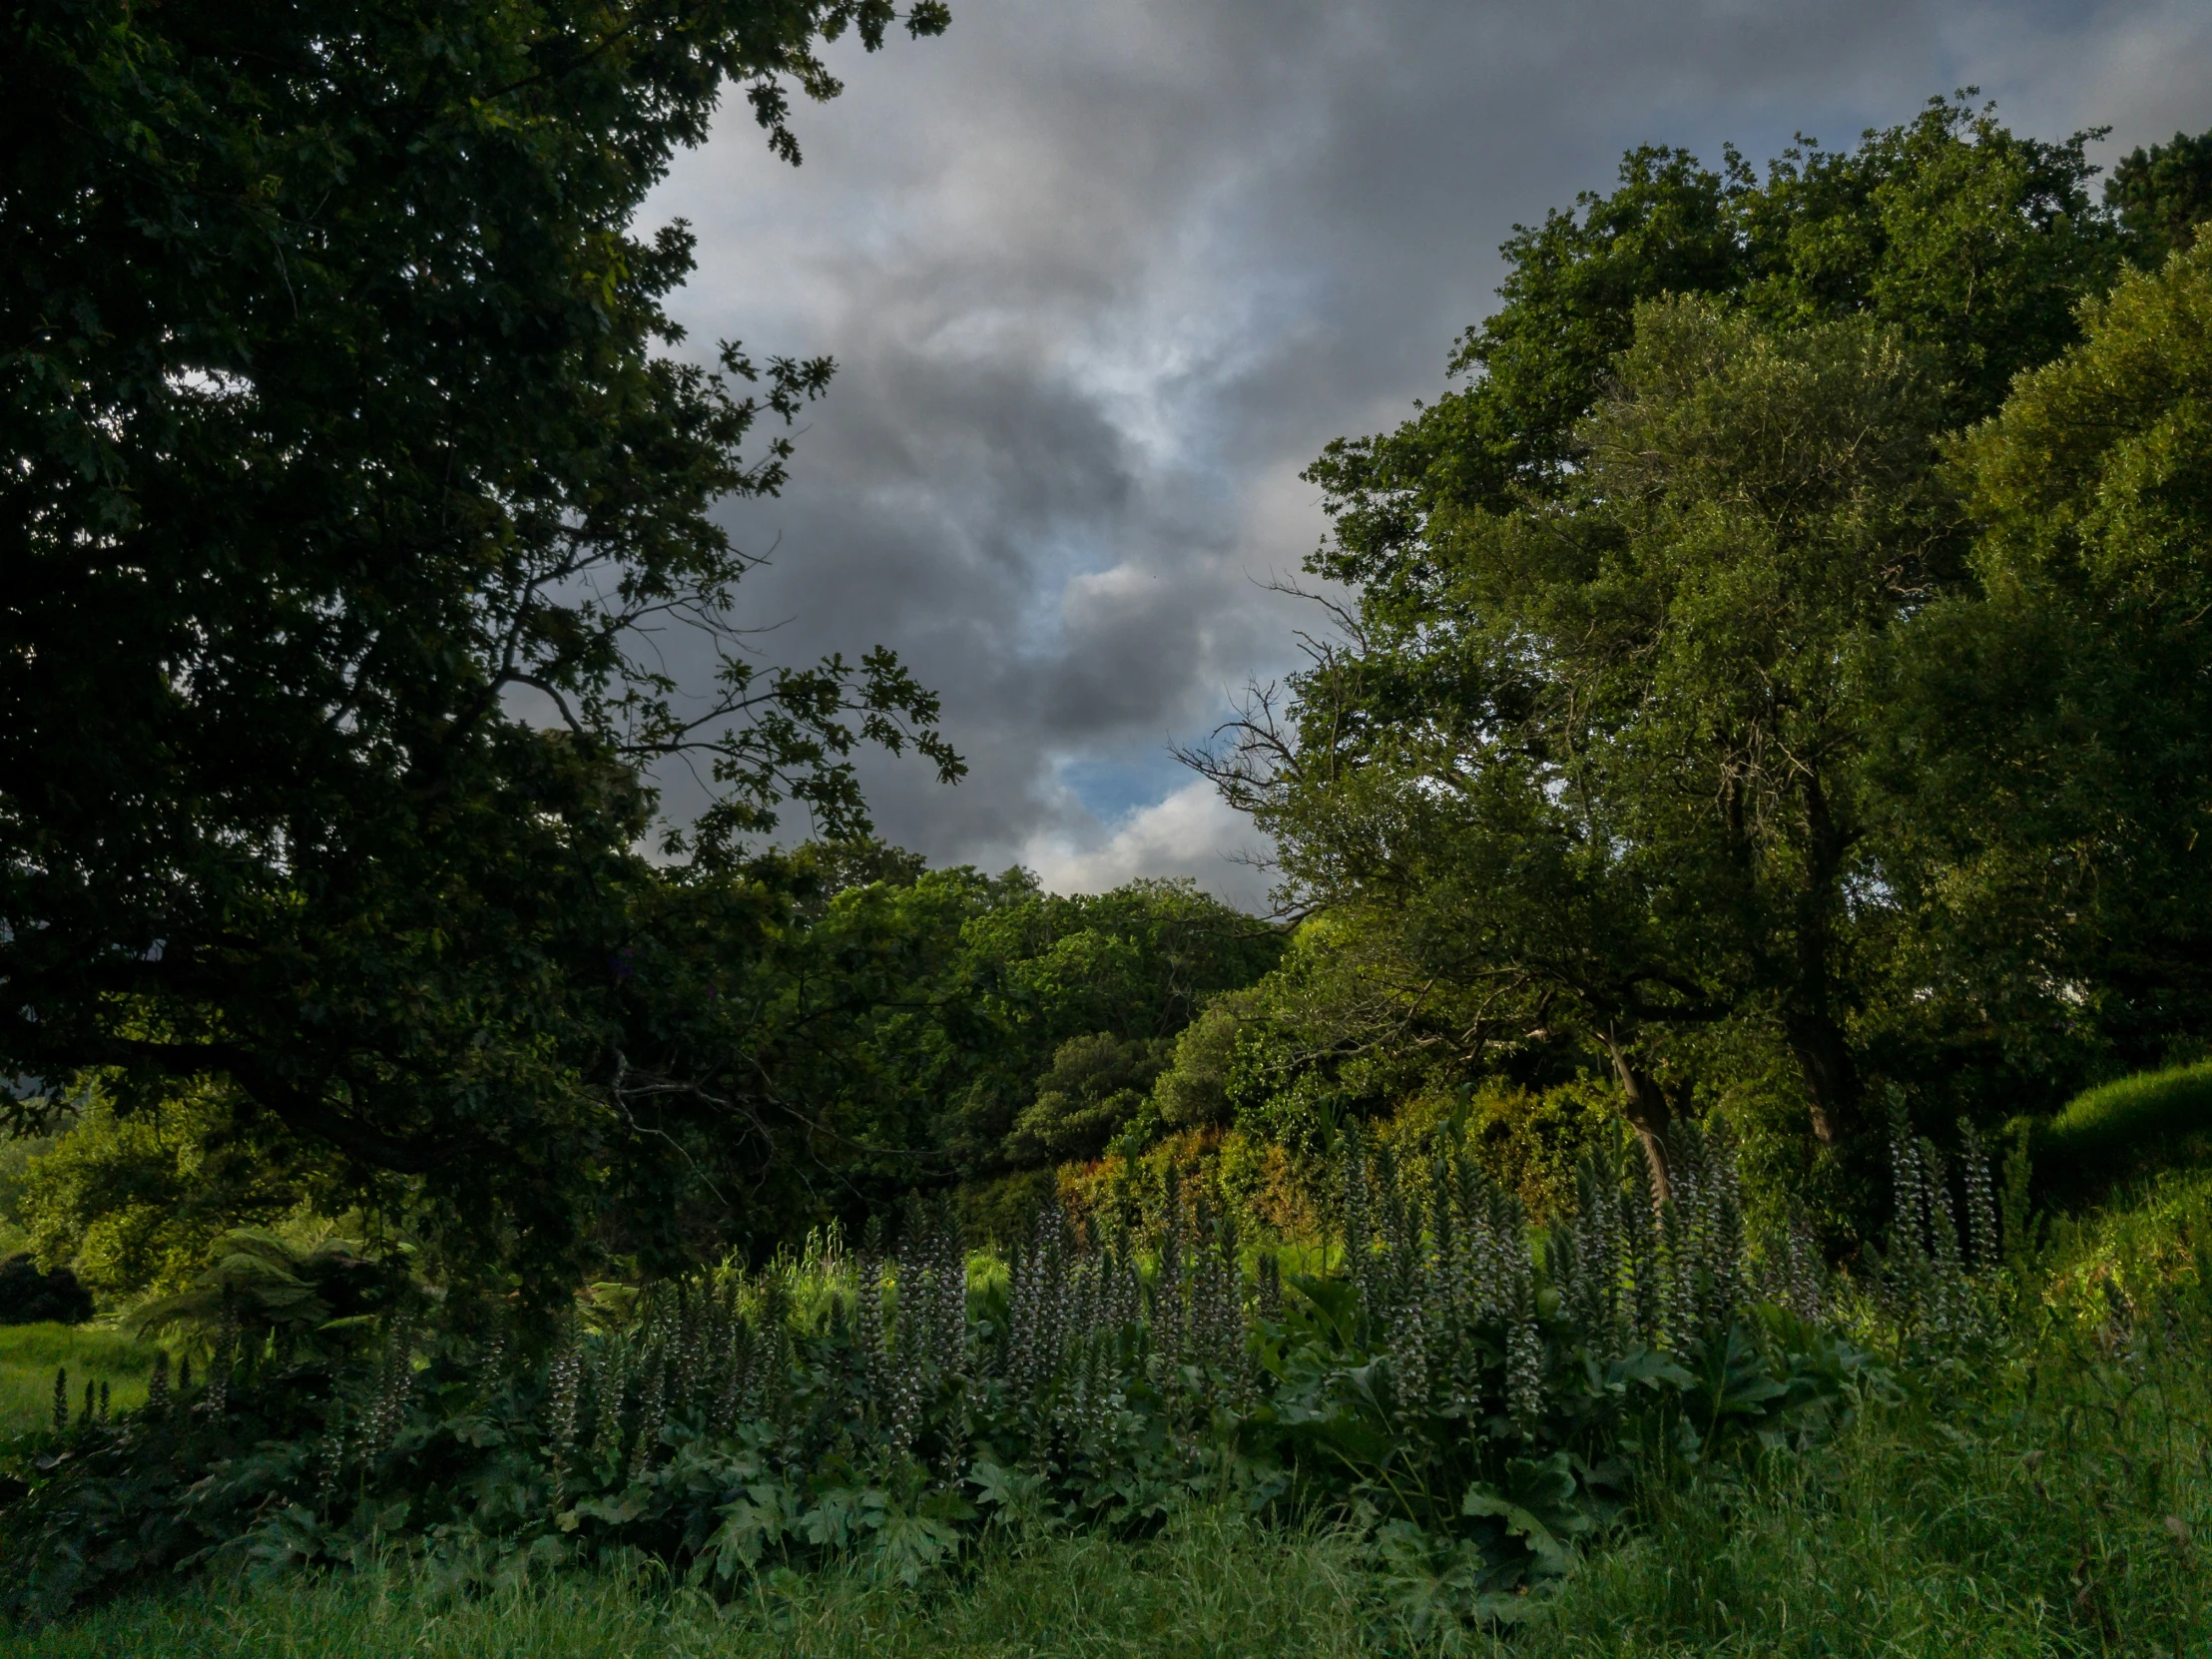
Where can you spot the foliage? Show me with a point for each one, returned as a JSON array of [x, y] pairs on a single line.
[[1969, 242], [1215, 1586], [1095, 1085], [1118, 976], [1473, 1410], [987, 997], [1696, 710], [338, 416], [2161, 194], [1335, 1033], [1597, 780], [2060, 1519], [2045, 757], [2137, 1257], [806, 1038], [2057, 1508], [1192, 1092], [2059, 1513], [132, 1202], [29, 1297], [1532, 1142], [1012, 1028], [263, 1291]]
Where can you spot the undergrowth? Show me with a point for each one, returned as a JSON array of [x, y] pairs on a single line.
[[1212, 1585], [2044, 1487], [1468, 1399], [2057, 1512]]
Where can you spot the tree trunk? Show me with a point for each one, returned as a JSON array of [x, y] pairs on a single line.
[[1645, 1107], [1831, 1079], [1814, 1034]]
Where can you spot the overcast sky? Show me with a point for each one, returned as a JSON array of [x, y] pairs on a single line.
[[1102, 276]]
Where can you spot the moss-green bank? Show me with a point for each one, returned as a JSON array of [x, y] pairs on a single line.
[[2126, 1130]]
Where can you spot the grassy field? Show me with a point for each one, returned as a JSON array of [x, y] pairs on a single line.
[[2053, 1500], [30, 1353]]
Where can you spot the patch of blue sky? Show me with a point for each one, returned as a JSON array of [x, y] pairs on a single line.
[[1120, 783]]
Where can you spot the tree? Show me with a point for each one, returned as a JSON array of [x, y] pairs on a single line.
[[1605, 777], [131, 1204], [1093, 1088], [901, 1027], [1972, 243], [1115, 974], [2047, 768], [339, 421], [1588, 746], [2162, 195]]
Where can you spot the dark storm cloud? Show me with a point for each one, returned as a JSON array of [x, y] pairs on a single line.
[[1103, 276]]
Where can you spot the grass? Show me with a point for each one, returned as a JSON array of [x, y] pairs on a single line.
[[2156, 1239], [1214, 1587], [30, 1354], [2127, 1130]]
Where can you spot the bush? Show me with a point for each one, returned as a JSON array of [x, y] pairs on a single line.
[[29, 1297]]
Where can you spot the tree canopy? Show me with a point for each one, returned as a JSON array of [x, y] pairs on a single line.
[[1972, 243], [1685, 688], [343, 419], [2047, 763], [1771, 683]]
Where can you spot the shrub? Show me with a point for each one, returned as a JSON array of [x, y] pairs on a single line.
[[29, 1297]]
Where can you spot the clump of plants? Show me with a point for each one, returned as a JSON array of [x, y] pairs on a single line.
[[1471, 1398]]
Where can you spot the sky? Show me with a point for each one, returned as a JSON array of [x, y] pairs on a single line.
[[1102, 277]]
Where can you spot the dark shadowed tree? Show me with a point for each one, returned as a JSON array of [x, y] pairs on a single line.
[[344, 431]]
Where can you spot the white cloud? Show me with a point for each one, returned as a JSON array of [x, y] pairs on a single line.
[[1190, 832]]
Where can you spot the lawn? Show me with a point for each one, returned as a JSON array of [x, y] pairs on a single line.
[[2126, 1130], [31, 1353]]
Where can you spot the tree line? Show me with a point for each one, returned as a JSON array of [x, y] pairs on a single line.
[[1771, 683]]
